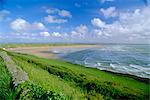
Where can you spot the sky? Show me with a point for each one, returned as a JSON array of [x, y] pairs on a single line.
[[75, 21]]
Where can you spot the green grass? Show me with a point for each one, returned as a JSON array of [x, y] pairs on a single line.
[[47, 81], [31, 91], [71, 81], [5, 82]]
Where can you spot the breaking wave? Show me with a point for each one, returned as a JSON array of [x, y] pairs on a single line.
[[128, 59]]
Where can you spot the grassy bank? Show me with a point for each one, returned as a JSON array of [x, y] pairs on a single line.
[[5, 82], [77, 82], [58, 80]]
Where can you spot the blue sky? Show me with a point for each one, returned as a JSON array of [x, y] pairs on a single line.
[[88, 21]]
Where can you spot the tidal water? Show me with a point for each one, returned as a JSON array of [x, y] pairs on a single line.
[[127, 59]]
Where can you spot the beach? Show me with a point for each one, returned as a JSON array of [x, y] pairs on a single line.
[[48, 51]]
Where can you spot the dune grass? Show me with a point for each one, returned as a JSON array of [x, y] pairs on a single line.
[[72, 81]]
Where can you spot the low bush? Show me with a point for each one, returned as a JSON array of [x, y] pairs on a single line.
[[28, 91]]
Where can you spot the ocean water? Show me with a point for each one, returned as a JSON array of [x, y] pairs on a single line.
[[128, 59]]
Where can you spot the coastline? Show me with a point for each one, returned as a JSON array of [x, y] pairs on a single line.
[[47, 51], [140, 79], [56, 74]]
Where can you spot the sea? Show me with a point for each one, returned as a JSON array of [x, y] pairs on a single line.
[[126, 59]]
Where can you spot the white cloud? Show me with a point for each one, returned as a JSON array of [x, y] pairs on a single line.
[[52, 19], [38, 25], [98, 22], [4, 15], [130, 25], [45, 34], [109, 12], [56, 34], [101, 33], [55, 15], [21, 25], [136, 22], [80, 31], [64, 13], [98, 32], [59, 35]]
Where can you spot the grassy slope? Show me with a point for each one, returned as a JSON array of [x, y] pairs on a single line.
[[78, 82], [5, 82]]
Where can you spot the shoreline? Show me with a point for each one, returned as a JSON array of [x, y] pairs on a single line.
[[47, 51], [141, 79]]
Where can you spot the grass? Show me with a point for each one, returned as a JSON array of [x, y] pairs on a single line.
[[47, 81], [5, 82], [71, 81]]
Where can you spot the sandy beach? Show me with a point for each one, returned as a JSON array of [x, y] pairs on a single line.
[[48, 51]]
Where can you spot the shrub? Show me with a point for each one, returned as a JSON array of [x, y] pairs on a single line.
[[29, 90]]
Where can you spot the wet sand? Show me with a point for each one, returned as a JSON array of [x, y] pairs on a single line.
[[47, 51]]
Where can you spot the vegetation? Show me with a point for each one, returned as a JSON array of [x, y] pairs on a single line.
[[5, 82], [28, 91], [59, 80], [74, 81]]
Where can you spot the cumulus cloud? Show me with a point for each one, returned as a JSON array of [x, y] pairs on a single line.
[[4, 15], [59, 35], [56, 34], [136, 22], [80, 31], [52, 19], [21, 25], [45, 34], [101, 33], [132, 25], [57, 16], [64, 13], [109, 12], [38, 26], [98, 22]]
